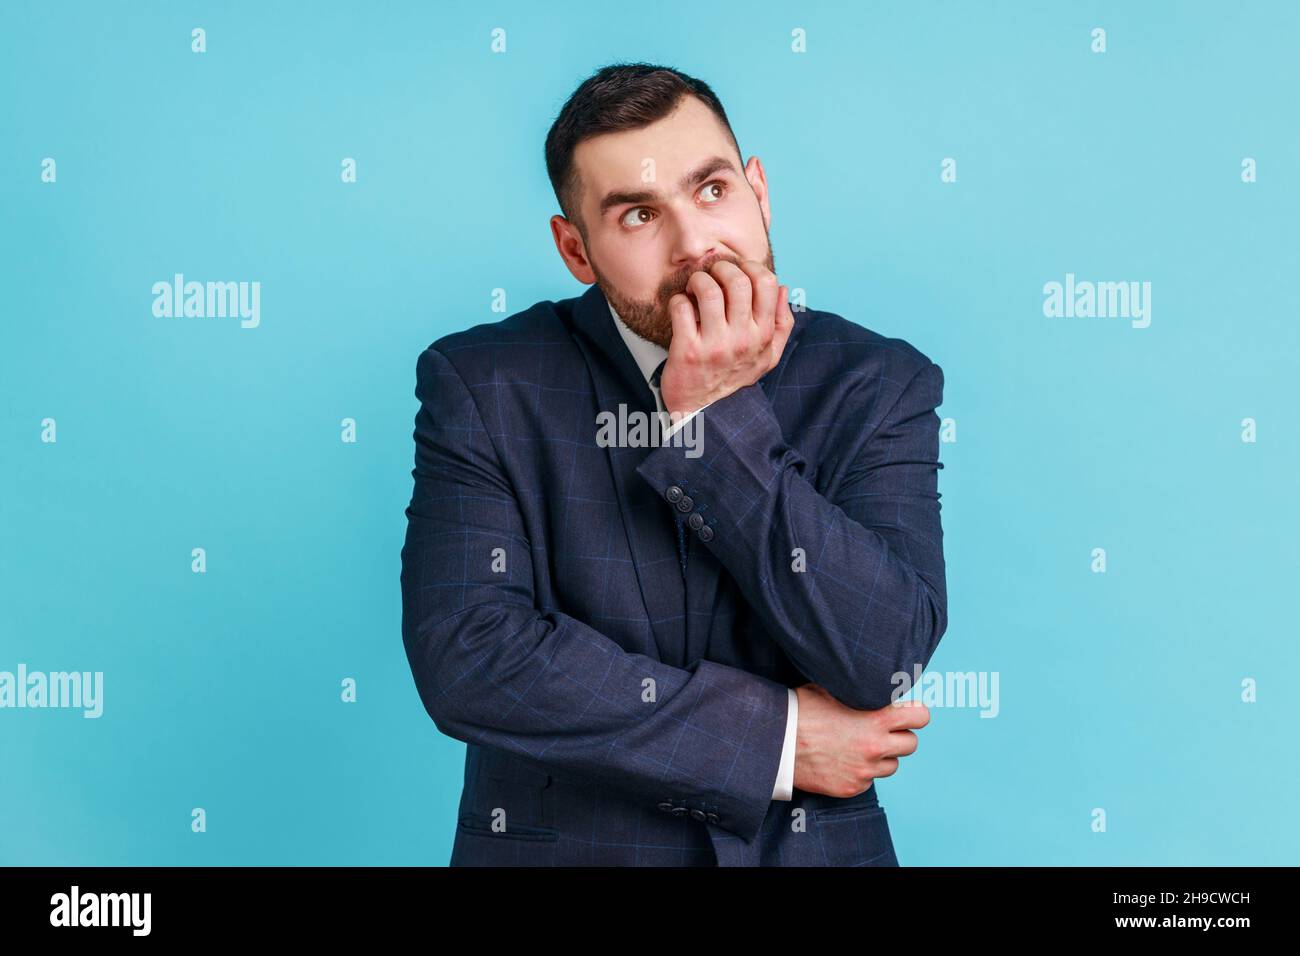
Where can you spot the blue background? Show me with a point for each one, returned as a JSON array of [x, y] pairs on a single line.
[[1118, 690]]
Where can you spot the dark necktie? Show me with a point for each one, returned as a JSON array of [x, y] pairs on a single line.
[[678, 519], [654, 382]]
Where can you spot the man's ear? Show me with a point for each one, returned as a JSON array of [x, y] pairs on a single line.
[[758, 182], [572, 249]]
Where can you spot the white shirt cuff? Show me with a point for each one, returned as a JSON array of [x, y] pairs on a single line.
[[677, 426], [784, 789]]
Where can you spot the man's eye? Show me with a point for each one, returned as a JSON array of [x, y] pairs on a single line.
[[635, 217], [720, 186]]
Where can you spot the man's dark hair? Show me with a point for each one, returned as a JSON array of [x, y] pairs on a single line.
[[615, 98]]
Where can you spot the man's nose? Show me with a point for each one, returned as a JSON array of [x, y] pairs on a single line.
[[693, 246]]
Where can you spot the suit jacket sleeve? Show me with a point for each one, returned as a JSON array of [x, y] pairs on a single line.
[[872, 600], [494, 669]]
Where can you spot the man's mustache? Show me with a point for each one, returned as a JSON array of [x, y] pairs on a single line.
[[678, 283]]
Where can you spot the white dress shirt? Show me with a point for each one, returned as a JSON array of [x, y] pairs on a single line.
[[648, 355]]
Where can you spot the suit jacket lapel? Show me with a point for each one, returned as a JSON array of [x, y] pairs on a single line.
[[647, 522], [682, 634]]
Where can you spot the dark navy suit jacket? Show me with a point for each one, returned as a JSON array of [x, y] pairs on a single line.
[[618, 707]]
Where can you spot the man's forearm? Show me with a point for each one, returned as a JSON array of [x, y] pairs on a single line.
[[867, 606]]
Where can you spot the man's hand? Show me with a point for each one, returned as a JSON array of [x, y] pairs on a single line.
[[735, 337], [839, 751]]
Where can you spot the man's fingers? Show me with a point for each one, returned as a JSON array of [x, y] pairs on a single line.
[[739, 294], [885, 767], [766, 297], [710, 304], [783, 325], [904, 714], [903, 743], [685, 322]]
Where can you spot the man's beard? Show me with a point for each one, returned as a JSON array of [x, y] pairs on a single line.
[[651, 320]]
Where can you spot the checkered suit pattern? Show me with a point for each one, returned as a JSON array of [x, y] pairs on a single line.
[[616, 710]]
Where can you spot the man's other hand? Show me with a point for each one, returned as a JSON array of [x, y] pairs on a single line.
[[839, 751]]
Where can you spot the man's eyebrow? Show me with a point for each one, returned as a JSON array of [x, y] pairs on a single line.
[[697, 175]]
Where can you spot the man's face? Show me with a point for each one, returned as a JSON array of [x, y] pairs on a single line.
[[660, 203]]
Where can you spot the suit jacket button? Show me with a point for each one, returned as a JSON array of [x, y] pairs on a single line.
[[698, 815], [666, 807], [674, 494], [685, 503], [679, 811], [712, 817], [705, 533], [696, 521]]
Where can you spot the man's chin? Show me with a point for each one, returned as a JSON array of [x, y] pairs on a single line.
[[659, 333], [654, 325]]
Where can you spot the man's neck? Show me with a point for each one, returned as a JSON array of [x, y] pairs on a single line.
[[645, 353]]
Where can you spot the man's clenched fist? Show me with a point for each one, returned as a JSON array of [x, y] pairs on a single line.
[[840, 751], [730, 337]]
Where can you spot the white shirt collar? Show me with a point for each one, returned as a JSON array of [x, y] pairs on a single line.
[[647, 354]]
